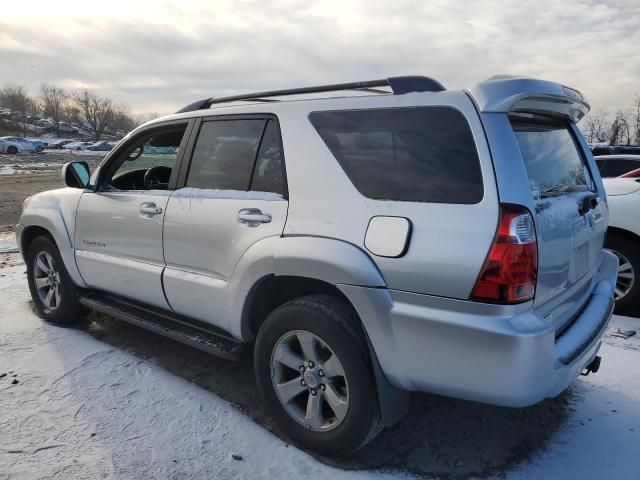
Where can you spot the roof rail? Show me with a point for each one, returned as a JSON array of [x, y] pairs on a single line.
[[399, 85]]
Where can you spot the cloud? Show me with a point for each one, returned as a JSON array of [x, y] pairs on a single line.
[[158, 56]]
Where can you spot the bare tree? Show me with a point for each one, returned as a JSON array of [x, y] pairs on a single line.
[[635, 120], [123, 119], [619, 132], [596, 127], [33, 108], [14, 97], [96, 111], [55, 101]]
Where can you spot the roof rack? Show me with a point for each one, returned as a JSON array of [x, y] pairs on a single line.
[[399, 85]]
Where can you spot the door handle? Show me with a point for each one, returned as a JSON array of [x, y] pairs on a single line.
[[149, 209], [253, 217]]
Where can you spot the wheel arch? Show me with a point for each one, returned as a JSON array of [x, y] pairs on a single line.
[[622, 232], [272, 291]]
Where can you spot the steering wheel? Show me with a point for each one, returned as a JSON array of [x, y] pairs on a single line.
[[157, 177]]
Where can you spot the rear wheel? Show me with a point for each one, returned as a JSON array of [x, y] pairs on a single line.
[[627, 291], [53, 292], [12, 149], [313, 369]]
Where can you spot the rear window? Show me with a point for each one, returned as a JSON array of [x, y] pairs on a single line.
[[417, 154], [551, 156]]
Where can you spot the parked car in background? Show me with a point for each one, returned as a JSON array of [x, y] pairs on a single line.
[[101, 146], [623, 239], [45, 123], [415, 240], [604, 149], [632, 174], [58, 144], [78, 145], [611, 166], [9, 147], [65, 127], [39, 144], [25, 145]]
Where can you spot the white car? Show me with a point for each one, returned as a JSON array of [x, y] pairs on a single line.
[[9, 147], [24, 144], [78, 145], [623, 239]]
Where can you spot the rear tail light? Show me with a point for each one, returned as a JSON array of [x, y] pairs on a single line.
[[510, 270]]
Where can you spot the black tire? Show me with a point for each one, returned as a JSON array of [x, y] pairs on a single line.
[[629, 248], [12, 149], [337, 325], [68, 310]]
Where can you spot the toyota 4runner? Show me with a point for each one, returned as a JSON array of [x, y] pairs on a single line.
[[365, 240]]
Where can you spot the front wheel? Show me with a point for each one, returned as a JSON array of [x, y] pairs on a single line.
[[627, 291], [53, 292], [313, 369], [12, 149]]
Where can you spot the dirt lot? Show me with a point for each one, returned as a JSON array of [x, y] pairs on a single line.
[[25, 174]]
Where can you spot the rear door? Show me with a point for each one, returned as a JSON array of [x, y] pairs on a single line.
[[234, 195], [570, 221]]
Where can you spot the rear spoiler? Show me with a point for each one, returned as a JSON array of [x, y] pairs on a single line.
[[504, 93]]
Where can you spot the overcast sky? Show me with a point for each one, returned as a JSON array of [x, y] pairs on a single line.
[[158, 56]]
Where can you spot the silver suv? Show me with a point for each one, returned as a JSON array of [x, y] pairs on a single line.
[[365, 240]]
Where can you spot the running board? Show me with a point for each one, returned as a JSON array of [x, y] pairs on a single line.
[[190, 332]]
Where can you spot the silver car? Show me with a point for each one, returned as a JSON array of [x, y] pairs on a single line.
[[365, 240]]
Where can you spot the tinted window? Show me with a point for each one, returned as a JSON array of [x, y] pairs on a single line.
[[419, 154], [553, 162], [617, 167], [224, 154], [268, 171], [601, 166]]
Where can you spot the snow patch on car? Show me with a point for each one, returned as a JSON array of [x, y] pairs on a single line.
[[557, 214], [210, 193]]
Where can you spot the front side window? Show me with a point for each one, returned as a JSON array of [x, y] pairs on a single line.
[[551, 156], [415, 154], [147, 162], [224, 154]]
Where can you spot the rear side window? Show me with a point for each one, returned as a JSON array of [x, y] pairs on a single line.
[[551, 156], [224, 154], [417, 154], [268, 173]]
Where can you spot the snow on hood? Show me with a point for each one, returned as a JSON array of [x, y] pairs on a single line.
[[209, 193], [620, 186]]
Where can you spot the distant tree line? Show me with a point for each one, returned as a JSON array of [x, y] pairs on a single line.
[[97, 114], [619, 128]]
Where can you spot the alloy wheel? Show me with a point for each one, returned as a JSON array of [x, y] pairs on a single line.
[[309, 381], [47, 280], [626, 276]]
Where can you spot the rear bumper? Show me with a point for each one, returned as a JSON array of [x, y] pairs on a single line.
[[502, 355]]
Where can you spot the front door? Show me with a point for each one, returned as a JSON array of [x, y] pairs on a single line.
[[234, 197], [119, 226]]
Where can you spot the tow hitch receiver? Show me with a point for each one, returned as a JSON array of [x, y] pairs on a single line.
[[593, 367]]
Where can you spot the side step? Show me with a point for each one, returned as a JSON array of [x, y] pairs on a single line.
[[191, 332]]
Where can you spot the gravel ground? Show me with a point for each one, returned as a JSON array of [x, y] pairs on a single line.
[[105, 399]]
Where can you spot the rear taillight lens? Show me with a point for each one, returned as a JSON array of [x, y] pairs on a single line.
[[510, 270]]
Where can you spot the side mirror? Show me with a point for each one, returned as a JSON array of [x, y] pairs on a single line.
[[76, 174]]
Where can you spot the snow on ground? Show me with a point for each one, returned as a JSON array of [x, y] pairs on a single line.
[[75, 404]]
